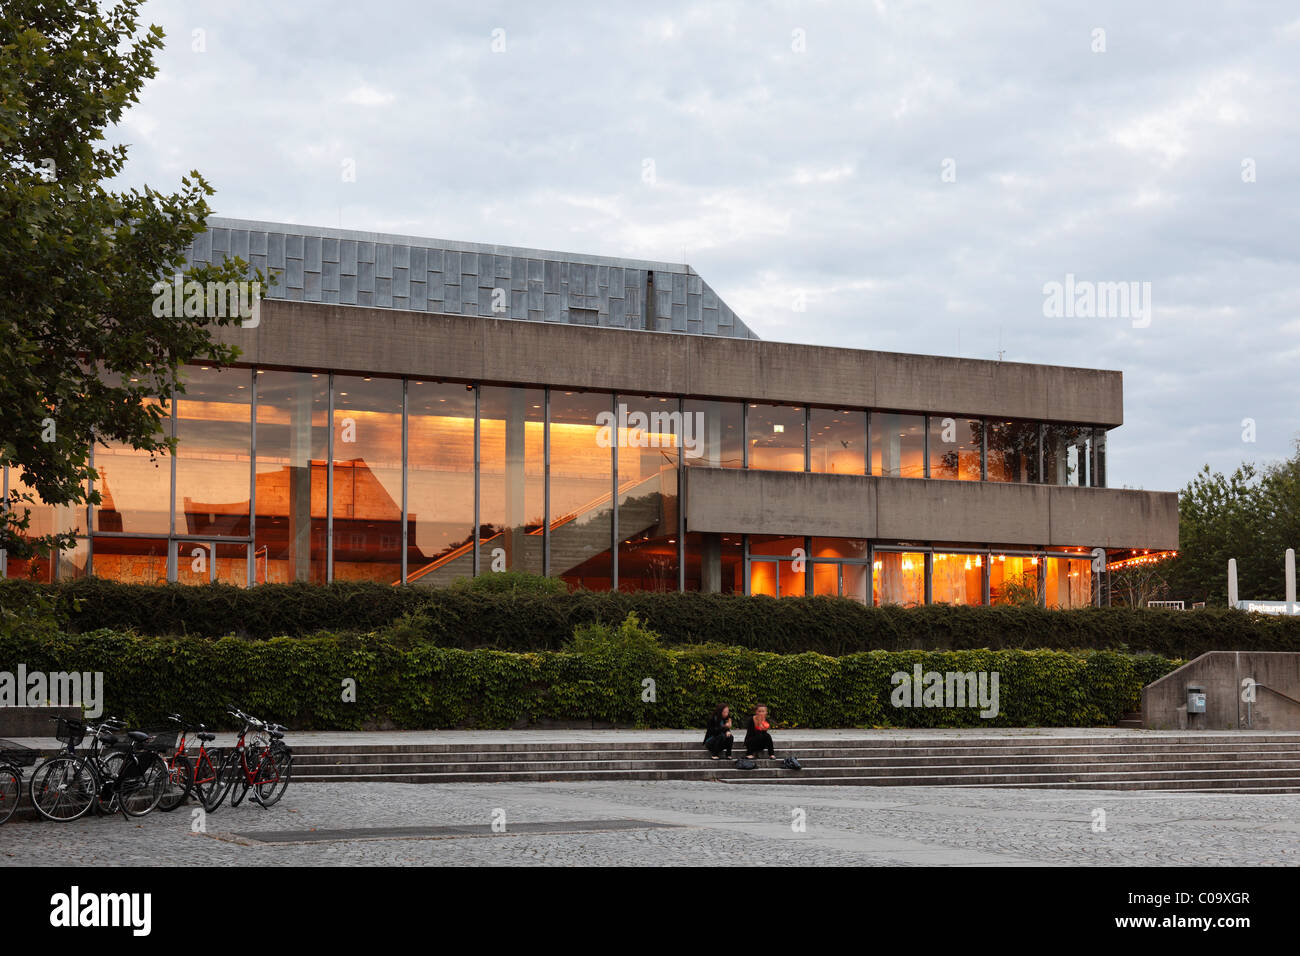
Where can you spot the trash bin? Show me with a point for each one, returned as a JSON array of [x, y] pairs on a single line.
[[1195, 699]]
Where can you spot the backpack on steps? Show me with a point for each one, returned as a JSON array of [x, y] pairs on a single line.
[[745, 763], [791, 763]]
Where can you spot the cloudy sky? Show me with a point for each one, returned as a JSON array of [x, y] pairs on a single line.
[[887, 175]]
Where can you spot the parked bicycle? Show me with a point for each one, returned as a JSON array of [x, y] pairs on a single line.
[[184, 774], [261, 766], [13, 757], [118, 771]]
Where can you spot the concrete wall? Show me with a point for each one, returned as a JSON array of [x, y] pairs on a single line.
[[928, 509], [355, 339], [1164, 702]]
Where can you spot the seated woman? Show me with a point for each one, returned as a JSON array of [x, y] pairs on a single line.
[[758, 735], [718, 736]]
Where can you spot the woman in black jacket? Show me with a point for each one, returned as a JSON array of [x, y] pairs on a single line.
[[718, 735], [758, 735]]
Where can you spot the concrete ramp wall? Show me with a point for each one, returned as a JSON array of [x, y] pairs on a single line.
[[1226, 677]]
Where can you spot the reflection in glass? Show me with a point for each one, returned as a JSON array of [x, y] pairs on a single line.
[[899, 578], [439, 482], [292, 447], [897, 445], [582, 477], [512, 478], [649, 432], [837, 441], [1013, 451], [776, 437], [132, 560], [955, 448], [712, 434], [214, 437], [367, 479], [1066, 451]]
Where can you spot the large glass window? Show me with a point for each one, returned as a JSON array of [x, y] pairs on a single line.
[[1068, 580], [1066, 453], [1013, 451], [1013, 579], [135, 490], [778, 565], [837, 441], [367, 479], [439, 482], [512, 478], [897, 445], [583, 434], [957, 579], [899, 578], [712, 434], [649, 430], [955, 447], [45, 520], [133, 560], [214, 438], [292, 448], [776, 437], [715, 563]]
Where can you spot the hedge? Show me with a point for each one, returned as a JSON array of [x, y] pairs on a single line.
[[417, 684], [469, 618]]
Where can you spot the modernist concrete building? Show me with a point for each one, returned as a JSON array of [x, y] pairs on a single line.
[[414, 410]]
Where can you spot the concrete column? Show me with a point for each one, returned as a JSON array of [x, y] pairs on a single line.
[[514, 543], [711, 563], [1290, 575], [300, 480]]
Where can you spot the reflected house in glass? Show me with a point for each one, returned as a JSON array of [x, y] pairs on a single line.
[[413, 411]]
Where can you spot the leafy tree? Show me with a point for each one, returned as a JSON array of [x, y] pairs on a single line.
[[84, 357], [1252, 515]]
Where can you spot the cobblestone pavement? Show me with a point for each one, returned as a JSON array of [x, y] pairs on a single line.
[[715, 824]]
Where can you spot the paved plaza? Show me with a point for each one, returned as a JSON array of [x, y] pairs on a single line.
[[685, 823]]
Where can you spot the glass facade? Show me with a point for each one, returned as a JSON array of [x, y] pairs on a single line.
[[897, 445], [955, 448], [775, 437], [837, 441], [304, 475]]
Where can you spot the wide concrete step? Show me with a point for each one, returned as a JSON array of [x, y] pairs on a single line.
[[954, 764], [799, 744]]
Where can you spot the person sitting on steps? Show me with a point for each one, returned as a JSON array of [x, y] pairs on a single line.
[[718, 735], [758, 735]]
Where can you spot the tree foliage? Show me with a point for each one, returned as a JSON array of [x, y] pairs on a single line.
[[84, 357], [1252, 515]]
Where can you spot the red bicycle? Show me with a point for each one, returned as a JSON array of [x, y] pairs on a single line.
[[255, 768], [186, 776]]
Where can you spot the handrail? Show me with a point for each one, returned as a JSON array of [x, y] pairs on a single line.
[[468, 546]]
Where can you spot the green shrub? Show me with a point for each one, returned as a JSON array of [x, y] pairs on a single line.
[[602, 678], [518, 618]]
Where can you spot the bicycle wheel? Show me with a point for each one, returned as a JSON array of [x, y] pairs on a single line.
[[11, 791], [64, 787], [274, 773], [180, 781], [212, 788], [142, 783]]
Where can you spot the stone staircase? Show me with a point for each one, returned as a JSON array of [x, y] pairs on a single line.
[[1254, 763]]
